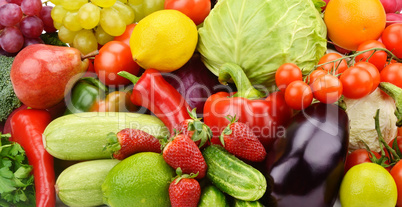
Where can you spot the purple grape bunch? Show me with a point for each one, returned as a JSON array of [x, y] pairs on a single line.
[[22, 22]]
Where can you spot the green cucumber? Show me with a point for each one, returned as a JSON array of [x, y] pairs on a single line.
[[80, 184], [233, 176], [212, 196], [241, 203], [82, 136]]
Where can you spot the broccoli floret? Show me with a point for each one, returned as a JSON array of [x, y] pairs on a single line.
[[8, 99]]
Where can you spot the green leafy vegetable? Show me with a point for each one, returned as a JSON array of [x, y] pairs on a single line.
[[16, 180], [8, 99], [52, 39], [261, 35]]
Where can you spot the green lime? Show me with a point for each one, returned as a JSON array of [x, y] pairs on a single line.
[[368, 185], [140, 180]]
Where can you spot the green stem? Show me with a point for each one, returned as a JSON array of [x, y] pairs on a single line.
[[112, 143], [361, 52], [381, 138], [396, 93], [134, 79], [95, 82], [244, 87]]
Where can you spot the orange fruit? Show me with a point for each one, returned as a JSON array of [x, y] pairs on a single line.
[[351, 22]]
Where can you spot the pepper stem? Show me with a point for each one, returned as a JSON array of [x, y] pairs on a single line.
[[134, 79], [396, 93], [244, 87]]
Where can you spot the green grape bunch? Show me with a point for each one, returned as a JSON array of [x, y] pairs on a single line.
[[85, 24]]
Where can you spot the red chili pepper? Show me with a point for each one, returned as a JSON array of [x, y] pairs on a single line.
[[153, 92], [265, 116], [27, 126]]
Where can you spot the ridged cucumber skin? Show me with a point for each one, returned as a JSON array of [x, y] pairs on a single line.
[[212, 196], [233, 176], [241, 203], [80, 184], [82, 136]]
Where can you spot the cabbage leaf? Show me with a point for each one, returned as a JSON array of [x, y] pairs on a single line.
[[261, 35]]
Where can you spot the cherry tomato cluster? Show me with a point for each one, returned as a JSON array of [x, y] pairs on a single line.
[[334, 77]]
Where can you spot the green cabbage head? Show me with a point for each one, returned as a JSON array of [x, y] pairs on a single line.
[[261, 35]]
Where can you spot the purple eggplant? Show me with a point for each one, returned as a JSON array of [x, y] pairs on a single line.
[[306, 166], [195, 82]]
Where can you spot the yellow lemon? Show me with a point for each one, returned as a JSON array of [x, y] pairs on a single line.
[[368, 185], [164, 40]]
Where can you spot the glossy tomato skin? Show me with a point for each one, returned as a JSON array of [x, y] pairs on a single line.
[[286, 74], [396, 173], [357, 82], [392, 38], [115, 56], [313, 76], [327, 88], [393, 74], [357, 157], [196, 10], [307, 166], [333, 67], [379, 58], [372, 69], [298, 95]]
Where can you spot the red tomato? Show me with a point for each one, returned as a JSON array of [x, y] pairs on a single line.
[[393, 74], [375, 74], [357, 157], [400, 131], [125, 37], [314, 75], [357, 82], [396, 173], [379, 58], [338, 66], [196, 10], [298, 95], [286, 74], [114, 57], [327, 89], [392, 39]]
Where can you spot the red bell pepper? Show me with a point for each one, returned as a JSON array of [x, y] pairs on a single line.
[[27, 126], [265, 116], [153, 92]]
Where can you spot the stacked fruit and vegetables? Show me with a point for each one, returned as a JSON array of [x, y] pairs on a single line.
[[201, 103]]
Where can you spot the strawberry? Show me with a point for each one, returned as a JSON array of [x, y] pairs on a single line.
[[239, 139], [130, 141], [184, 190], [182, 152], [199, 132]]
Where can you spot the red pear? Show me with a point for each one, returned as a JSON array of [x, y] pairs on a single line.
[[43, 74]]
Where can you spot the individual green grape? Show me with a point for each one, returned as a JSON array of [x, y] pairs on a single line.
[[125, 12], [111, 22], [101, 36], [72, 5], [57, 25], [143, 8], [104, 3], [58, 13], [88, 16], [71, 22], [85, 41], [66, 35]]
